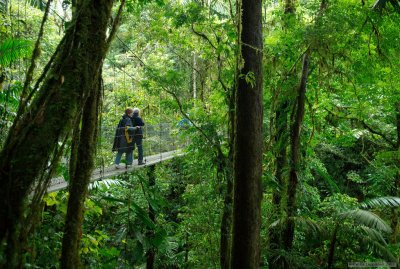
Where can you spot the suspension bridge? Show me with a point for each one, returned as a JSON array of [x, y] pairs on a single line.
[[161, 142]]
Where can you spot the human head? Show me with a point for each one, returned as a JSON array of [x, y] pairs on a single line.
[[136, 111], [128, 111]]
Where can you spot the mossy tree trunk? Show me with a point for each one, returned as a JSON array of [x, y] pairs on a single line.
[[248, 145], [80, 177], [96, 15], [295, 132], [65, 88]]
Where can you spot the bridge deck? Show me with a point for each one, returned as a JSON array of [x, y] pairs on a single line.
[[59, 183]]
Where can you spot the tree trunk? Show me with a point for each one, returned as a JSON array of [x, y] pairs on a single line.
[[150, 255], [80, 179], [248, 145], [37, 132], [331, 253], [295, 156]]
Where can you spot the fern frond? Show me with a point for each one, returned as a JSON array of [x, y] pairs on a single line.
[[105, 182], [373, 234], [381, 201], [13, 49], [378, 248], [366, 218]]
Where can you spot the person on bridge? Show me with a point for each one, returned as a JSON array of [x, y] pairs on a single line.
[[138, 122], [124, 139]]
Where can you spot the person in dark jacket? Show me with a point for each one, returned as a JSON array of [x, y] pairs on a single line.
[[138, 122], [124, 139]]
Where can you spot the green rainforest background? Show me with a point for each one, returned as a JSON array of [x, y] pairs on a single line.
[[286, 112]]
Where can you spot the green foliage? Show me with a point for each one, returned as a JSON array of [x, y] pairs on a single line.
[[13, 49], [9, 101], [167, 51]]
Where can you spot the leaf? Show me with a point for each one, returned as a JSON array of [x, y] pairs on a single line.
[[158, 238], [143, 216], [366, 218], [113, 199], [374, 234], [13, 49], [105, 182], [382, 201]]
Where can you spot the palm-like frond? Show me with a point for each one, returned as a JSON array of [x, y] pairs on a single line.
[[378, 248], [381, 202], [12, 49], [105, 182], [9, 95], [374, 235], [367, 219]]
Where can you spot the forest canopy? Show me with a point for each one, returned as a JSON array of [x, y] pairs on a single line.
[[283, 118]]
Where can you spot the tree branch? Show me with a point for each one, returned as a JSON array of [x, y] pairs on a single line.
[[366, 126], [115, 25], [35, 55], [216, 146], [202, 35]]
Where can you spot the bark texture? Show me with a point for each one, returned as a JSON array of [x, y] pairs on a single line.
[[248, 147], [80, 178]]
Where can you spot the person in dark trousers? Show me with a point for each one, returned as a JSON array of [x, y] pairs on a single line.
[[124, 139], [138, 122]]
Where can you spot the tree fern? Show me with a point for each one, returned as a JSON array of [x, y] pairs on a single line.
[[13, 49]]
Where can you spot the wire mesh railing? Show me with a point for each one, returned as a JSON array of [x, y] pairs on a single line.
[[160, 142], [157, 139]]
